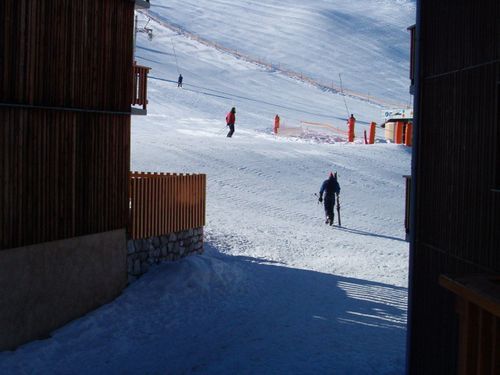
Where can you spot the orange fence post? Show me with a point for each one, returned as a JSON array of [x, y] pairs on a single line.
[[372, 133], [408, 134], [398, 137], [350, 129]]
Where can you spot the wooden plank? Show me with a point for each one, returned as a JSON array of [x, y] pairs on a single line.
[[483, 291], [484, 347]]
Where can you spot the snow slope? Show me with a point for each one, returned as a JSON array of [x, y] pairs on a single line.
[[277, 291], [364, 40]]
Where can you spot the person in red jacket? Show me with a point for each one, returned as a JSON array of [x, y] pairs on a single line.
[[276, 124], [230, 120]]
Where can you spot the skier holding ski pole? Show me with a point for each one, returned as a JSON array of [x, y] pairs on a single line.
[[331, 188]]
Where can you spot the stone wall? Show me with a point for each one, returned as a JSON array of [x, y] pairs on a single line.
[[143, 253]]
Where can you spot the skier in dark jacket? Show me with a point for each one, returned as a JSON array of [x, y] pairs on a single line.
[[179, 81], [330, 187], [230, 120]]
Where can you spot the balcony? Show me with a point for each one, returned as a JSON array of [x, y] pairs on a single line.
[[140, 89], [142, 4]]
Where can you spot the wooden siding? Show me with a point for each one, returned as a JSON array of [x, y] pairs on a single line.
[[457, 214], [62, 174], [165, 203], [456, 205], [459, 34], [65, 89], [66, 53]]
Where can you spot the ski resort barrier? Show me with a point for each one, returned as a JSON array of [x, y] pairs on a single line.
[[165, 203], [325, 126], [140, 85]]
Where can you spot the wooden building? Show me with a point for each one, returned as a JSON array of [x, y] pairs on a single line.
[[455, 222], [66, 87]]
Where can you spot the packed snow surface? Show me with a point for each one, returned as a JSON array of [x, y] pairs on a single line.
[[277, 291]]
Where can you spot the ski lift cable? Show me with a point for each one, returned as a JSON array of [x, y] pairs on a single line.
[[342, 92], [175, 55]]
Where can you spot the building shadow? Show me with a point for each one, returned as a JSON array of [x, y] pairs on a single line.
[[219, 314]]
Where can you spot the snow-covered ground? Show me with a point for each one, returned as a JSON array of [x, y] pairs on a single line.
[[277, 291]]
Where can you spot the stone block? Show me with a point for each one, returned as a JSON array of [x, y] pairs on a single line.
[[130, 247], [137, 267], [156, 242], [130, 265], [163, 240]]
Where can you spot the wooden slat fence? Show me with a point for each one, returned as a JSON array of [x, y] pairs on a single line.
[[140, 86], [162, 203]]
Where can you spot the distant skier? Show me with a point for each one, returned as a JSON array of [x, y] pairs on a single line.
[[330, 187], [276, 124], [179, 81], [230, 120]]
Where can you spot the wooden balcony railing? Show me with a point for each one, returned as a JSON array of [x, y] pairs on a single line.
[[165, 203], [140, 85], [478, 306]]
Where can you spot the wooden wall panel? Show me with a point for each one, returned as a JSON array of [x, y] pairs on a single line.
[[67, 53], [62, 174], [65, 95], [459, 34], [457, 213], [456, 205]]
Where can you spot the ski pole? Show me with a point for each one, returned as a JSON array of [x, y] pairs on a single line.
[[317, 196], [343, 95], [222, 130], [338, 209]]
